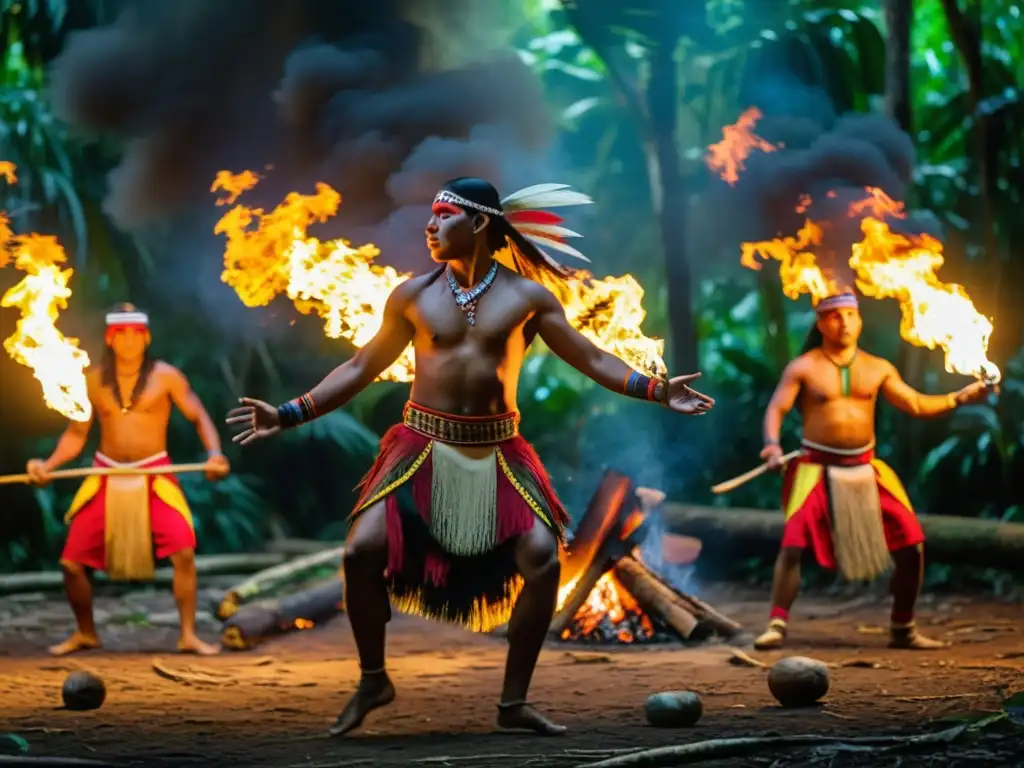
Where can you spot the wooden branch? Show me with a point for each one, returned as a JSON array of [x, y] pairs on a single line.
[[63, 474], [581, 591], [657, 600], [721, 749], [299, 547], [206, 565], [53, 762], [270, 578], [739, 532]]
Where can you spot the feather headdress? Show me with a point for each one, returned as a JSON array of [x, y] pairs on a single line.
[[523, 219]]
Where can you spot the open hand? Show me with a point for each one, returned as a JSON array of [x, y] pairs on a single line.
[[257, 420], [217, 467], [975, 392], [37, 472], [682, 399]]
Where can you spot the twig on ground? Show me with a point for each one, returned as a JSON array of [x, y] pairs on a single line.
[[740, 659], [188, 678], [53, 762], [720, 749], [940, 697], [540, 759]]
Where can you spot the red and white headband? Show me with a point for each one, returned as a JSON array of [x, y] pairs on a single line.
[[124, 319], [524, 211]]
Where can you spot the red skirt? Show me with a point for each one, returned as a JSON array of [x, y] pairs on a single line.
[[805, 499], [476, 591]]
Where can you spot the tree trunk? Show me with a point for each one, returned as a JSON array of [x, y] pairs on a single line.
[[668, 194], [965, 29], [910, 360], [733, 534]]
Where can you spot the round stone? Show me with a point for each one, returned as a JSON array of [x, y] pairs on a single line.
[[83, 691], [798, 681], [673, 709]]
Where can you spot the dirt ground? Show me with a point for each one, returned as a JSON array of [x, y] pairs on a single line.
[[271, 707]]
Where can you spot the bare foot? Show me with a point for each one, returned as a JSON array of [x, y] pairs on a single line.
[[77, 642], [374, 691], [911, 640], [192, 644], [524, 716], [773, 638]]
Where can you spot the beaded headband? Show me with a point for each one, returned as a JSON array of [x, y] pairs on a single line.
[[444, 196], [839, 301], [127, 318]]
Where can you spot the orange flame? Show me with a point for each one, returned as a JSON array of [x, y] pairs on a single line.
[[607, 600], [56, 361], [304, 624], [738, 140], [270, 253], [890, 265]]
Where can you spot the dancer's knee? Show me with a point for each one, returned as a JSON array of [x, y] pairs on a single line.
[[366, 546], [537, 555]]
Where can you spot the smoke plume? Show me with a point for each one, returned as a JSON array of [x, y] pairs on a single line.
[[383, 101], [829, 157]]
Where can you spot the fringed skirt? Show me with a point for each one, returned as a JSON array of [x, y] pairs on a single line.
[[457, 492]]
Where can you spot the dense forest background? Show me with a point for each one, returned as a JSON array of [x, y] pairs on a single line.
[[118, 114]]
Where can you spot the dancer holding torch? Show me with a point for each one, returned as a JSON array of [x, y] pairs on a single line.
[[840, 500], [116, 523]]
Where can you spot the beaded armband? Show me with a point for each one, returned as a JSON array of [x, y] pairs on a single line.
[[644, 387], [297, 411]]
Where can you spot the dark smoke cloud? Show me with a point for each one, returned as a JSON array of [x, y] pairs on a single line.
[[382, 100], [830, 157]]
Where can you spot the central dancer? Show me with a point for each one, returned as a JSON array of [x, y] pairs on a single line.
[[447, 519]]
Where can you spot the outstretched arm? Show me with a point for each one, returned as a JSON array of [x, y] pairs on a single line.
[[907, 399], [607, 370], [354, 375], [259, 420], [191, 407]]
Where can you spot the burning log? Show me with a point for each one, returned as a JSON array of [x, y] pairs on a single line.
[[659, 600], [610, 592], [257, 622]]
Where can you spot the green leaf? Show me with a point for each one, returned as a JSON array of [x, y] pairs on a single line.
[[937, 455], [14, 744]]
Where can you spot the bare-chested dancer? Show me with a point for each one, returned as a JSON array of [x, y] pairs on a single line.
[[446, 519], [840, 500], [117, 523]]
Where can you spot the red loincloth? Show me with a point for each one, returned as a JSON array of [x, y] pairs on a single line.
[[805, 499], [477, 590], [170, 519]]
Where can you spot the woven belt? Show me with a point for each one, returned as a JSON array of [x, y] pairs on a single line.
[[461, 430]]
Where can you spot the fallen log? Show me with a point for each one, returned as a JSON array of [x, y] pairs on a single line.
[[730, 534], [257, 622], [299, 547], [271, 578], [206, 565]]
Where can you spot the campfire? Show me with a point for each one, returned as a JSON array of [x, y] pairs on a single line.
[[609, 594]]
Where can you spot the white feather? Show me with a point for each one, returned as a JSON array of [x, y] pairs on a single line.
[[549, 230], [532, 190], [543, 196], [547, 242]]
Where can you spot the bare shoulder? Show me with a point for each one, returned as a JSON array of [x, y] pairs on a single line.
[[405, 293], [801, 366], [167, 374], [877, 364], [539, 297]]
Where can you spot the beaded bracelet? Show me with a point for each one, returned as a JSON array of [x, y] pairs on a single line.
[[297, 411], [640, 386]]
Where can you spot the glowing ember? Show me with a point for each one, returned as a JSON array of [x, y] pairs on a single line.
[[738, 140], [269, 253], [609, 613], [891, 265], [56, 361], [304, 624]]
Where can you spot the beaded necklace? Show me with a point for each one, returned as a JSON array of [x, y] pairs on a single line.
[[467, 298]]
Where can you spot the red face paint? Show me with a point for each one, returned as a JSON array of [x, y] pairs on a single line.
[[440, 209]]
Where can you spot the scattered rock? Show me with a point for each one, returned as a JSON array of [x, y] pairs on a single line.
[[83, 691], [673, 709], [798, 681]]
